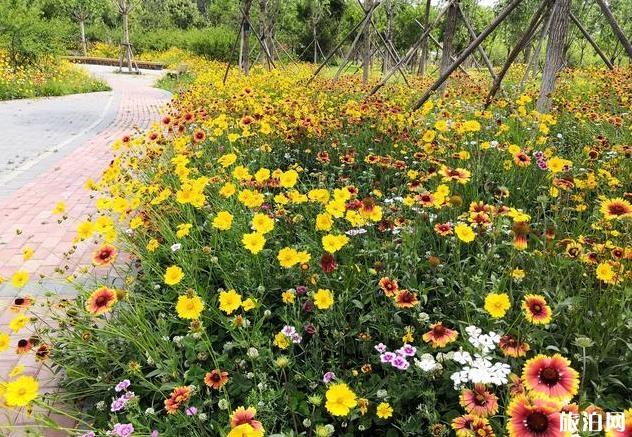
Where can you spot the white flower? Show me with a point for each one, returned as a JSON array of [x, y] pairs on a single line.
[[175, 247], [427, 363], [462, 357]]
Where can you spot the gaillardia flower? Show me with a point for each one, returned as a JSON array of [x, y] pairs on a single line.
[[537, 417], [479, 401], [101, 301], [536, 310], [553, 376], [439, 335]]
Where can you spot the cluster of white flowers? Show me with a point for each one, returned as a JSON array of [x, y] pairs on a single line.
[[479, 368], [427, 363]]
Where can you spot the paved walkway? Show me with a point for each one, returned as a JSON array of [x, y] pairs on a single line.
[[48, 149]]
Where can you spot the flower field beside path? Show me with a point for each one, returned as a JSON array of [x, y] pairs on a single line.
[[304, 260]]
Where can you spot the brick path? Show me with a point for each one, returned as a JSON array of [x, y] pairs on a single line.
[[63, 143]]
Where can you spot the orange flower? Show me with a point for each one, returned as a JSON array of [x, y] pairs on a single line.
[[245, 415], [439, 335], [406, 299], [536, 310], [389, 286], [178, 396], [104, 255], [101, 301], [553, 376], [479, 401], [216, 379]]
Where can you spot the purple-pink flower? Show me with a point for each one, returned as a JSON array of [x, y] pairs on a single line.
[[123, 385], [328, 377], [381, 348], [400, 363], [387, 357], [123, 429]]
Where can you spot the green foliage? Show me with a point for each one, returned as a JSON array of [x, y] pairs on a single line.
[[25, 36]]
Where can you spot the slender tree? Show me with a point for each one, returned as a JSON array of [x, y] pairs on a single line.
[[424, 44], [125, 7], [448, 36], [615, 27], [554, 52], [366, 46], [244, 51]]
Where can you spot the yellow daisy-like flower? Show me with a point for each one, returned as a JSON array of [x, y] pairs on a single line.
[[254, 242], [497, 304], [229, 301], [340, 399], [152, 245], [227, 160], [249, 304], [281, 341], [4, 341], [20, 278], [288, 257], [18, 322], [384, 410], [464, 233], [173, 275], [288, 296], [288, 178], [223, 221], [21, 392], [27, 253], [189, 307], [323, 299], [333, 243], [262, 223]]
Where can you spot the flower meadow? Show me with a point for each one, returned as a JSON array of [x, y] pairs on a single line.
[[276, 258], [50, 77]]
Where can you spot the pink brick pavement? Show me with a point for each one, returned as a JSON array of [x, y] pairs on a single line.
[[26, 219]]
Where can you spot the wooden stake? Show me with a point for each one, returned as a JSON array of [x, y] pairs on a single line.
[[521, 44], [615, 27], [473, 45], [591, 41]]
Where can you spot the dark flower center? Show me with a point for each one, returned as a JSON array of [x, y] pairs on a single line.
[[101, 301], [22, 343], [617, 209], [536, 308], [537, 422], [19, 301], [550, 376], [438, 330], [480, 399]]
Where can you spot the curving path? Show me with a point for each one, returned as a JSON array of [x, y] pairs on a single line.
[[48, 148]]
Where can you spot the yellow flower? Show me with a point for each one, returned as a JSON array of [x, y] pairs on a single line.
[[333, 243], [262, 175], [4, 341], [497, 304], [464, 232], [281, 341], [518, 274], [227, 160], [229, 301], [223, 221], [20, 278], [288, 257], [251, 198], [340, 399], [183, 230], [557, 164], [85, 230], [288, 178], [249, 304], [606, 273], [60, 207], [324, 222], [254, 242], [384, 410], [18, 322], [189, 307], [262, 223], [288, 296], [173, 275], [323, 299], [21, 392], [227, 190], [27, 253], [152, 245], [244, 430]]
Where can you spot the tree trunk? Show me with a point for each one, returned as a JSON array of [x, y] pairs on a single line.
[[424, 44], [388, 60], [315, 42], [366, 45], [554, 52], [84, 44], [448, 38], [126, 41], [244, 61], [615, 27]]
